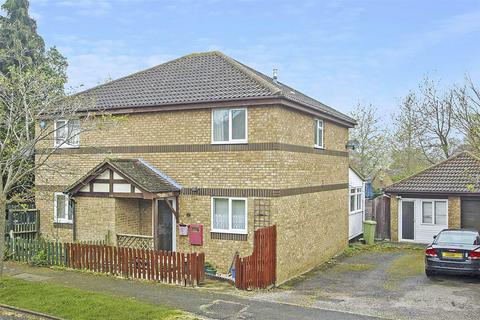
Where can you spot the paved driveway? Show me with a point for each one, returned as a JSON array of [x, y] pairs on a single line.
[[385, 284]]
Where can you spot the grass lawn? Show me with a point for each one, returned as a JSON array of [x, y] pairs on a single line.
[[70, 303]]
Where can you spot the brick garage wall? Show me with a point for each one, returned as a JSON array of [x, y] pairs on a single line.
[[311, 228], [197, 209], [454, 212], [394, 217]]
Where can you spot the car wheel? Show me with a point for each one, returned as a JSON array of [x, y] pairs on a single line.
[[429, 273]]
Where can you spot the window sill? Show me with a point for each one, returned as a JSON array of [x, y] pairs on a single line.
[[318, 147], [66, 147], [228, 236], [63, 225], [229, 142], [229, 231]]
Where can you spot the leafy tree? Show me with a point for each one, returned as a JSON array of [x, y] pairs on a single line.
[[372, 154], [19, 29], [407, 156], [467, 113]]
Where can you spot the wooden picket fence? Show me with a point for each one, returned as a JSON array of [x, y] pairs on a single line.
[[258, 271], [162, 266]]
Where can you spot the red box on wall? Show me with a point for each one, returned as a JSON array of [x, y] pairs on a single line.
[[195, 234]]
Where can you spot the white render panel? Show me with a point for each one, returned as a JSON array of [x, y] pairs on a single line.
[[117, 176], [101, 187], [104, 175], [85, 188], [122, 187]]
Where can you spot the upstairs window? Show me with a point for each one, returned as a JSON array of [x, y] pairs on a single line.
[[67, 133], [319, 134], [229, 126], [61, 210]]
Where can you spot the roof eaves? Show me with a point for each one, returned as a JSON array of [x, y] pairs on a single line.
[[165, 177]]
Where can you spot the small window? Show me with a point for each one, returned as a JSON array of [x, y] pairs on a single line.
[[229, 126], [441, 212], [62, 212], [319, 133], [427, 212], [67, 133], [434, 212], [229, 215], [356, 197]]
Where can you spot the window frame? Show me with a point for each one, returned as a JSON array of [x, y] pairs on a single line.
[[358, 191], [230, 126], [317, 127], [56, 219], [229, 230], [434, 213], [64, 143]]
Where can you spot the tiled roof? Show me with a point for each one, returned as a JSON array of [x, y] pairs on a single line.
[[197, 78], [145, 175], [457, 174], [142, 174]]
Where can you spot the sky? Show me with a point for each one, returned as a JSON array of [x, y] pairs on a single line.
[[340, 52]]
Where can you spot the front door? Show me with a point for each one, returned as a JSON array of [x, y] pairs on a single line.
[[408, 220], [165, 225]]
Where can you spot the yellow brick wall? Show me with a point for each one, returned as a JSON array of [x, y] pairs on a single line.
[[454, 212], [271, 169], [311, 228], [218, 252], [95, 218], [394, 217]]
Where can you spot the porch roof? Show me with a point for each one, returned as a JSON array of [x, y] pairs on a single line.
[[137, 171]]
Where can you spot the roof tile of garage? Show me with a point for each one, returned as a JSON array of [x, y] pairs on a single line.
[[456, 175]]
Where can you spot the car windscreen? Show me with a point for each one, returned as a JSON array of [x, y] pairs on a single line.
[[456, 237]]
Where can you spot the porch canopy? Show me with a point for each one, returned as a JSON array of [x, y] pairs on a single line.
[[125, 178], [132, 179]]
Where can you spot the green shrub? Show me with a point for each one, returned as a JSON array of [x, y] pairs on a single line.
[[39, 259]]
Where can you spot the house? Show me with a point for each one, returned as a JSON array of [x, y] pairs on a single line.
[[446, 195], [205, 141], [356, 205]]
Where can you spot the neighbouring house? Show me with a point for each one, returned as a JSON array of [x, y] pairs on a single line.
[[446, 195], [356, 206], [207, 142]]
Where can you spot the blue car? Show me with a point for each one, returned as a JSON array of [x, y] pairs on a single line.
[[453, 251]]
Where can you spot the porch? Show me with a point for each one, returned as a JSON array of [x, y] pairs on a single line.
[[141, 199]]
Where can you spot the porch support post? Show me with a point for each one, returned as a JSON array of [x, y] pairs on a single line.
[[155, 223]]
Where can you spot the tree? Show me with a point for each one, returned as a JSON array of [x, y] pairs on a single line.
[[467, 113], [434, 121], [372, 154], [18, 28], [407, 156]]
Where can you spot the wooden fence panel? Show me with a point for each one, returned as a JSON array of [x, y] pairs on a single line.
[[259, 269]]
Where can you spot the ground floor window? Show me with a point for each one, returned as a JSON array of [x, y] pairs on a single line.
[[229, 215], [434, 212], [61, 211], [356, 199]]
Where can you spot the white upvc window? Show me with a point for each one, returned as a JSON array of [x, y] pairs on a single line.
[[229, 126], [434, 212], [319, 136], [61, 208], [67, 133], [229, 215], [356, 196]]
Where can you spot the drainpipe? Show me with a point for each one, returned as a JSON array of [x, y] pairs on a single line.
[[74, 218]]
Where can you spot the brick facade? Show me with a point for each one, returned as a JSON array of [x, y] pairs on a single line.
[[312, 219]]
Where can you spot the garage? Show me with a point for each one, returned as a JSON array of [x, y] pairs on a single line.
[[445, 195], [471, 213]]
